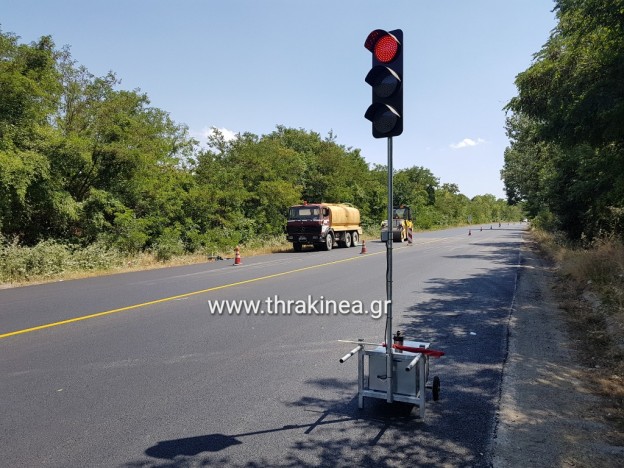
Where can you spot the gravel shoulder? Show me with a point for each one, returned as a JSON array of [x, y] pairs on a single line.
[[549, 413]]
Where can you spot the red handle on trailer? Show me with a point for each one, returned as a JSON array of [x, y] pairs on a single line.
[[429, 352]]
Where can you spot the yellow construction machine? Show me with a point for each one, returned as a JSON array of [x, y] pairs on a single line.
[[401, 223]]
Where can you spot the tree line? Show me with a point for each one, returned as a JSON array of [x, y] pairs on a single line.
[[84, 162], [566, 125]]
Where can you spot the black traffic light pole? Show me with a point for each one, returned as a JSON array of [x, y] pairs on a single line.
[[389, 341]]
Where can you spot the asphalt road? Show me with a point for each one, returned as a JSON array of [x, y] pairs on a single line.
[[133, 370]]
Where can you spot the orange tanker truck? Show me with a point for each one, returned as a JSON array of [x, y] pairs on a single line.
[[323, 225]]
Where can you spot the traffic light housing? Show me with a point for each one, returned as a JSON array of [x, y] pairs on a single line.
[[386, 80]]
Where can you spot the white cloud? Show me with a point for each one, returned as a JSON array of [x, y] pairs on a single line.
[[206, 132], [228, 135], [467, 142]]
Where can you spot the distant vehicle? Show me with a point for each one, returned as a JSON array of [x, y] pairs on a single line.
[[323, 225], [401, 223]]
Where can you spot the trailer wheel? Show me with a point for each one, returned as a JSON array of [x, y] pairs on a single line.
[[329, 242], [355, 238], [347, 239], [435, 388]]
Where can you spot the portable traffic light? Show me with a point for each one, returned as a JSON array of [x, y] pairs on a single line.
[[386, 79]]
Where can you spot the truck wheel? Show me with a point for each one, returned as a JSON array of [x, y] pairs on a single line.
[[329, 242], [347, 239], [355, 238], [297, 246]]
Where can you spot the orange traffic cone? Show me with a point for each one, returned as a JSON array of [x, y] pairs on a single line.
[[237, 257], [363, 247]]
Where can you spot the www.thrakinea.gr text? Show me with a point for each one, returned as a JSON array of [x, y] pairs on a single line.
[[308, 306]]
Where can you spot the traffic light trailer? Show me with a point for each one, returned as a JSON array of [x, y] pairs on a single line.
[[398, 372]]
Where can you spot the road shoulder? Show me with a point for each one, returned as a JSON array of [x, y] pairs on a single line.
[[547, 415]]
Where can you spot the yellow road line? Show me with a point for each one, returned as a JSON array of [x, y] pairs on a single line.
[[172, 298], [194, 293]]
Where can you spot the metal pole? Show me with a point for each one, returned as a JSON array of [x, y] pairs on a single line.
[[389, 398]]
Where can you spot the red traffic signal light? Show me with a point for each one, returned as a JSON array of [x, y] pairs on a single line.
[[386, 80], [383, 45]]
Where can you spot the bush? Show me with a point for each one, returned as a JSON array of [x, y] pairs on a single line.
[[130, 235], [168, 245], [12, 264], [44, 260], [50, 259], [545, 221], [96, 256]]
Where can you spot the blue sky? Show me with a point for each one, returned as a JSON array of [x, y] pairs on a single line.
[[249, 65]]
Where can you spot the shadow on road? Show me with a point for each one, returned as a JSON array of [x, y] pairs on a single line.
[[379, 418]]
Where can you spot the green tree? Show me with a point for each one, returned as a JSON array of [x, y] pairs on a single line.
[[451, 206], [29, 198], [568, 118], [332, 172], [414, 186]]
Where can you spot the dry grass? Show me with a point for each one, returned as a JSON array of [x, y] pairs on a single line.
[[591, 292]]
